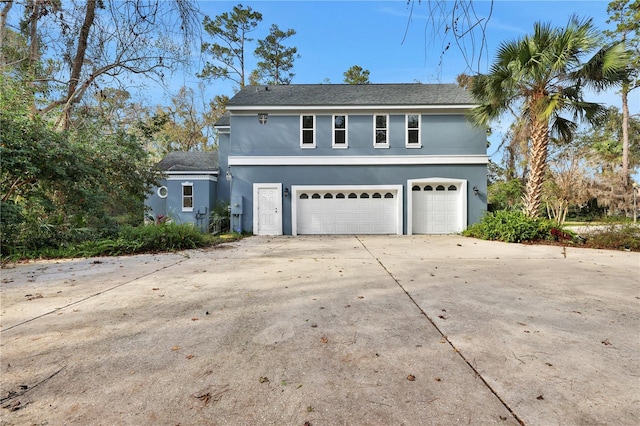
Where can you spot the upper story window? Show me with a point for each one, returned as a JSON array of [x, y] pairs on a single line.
[[340, 131], [308, 131], [413, 131], [187, 197], [381, 131]]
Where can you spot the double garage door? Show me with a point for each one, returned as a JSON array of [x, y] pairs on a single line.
[[348, 211], [436, 208]]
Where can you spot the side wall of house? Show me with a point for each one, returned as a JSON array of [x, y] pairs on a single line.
[[223, 186], [155, 205], [171, 207]]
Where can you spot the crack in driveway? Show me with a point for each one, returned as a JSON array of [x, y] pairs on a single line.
[[444, 336]]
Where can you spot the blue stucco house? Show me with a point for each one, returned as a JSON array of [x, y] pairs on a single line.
[[188, 190], [352, 159]]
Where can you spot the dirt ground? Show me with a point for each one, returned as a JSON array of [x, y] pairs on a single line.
[[324, 331]]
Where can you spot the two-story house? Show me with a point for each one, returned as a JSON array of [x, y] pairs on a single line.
[[352, 159]]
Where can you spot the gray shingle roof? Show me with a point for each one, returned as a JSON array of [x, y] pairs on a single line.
[[223, 121], [351, 95], [189, 161]]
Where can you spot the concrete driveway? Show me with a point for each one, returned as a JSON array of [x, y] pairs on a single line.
[[324, 331]]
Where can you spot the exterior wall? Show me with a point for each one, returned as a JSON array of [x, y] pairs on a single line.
[[204, 198], [155, 205], [223, 186], [246, 176], [440, 134]]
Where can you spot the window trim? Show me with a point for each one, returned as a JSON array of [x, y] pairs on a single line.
[[185, 185], [335, 145], [162, 192], [302, 129], [375, 131], [406, 131]]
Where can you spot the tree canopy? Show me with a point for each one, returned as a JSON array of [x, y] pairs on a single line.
[[67, 49], [356, 75], [231, 30], [544, 76], [275, 63]]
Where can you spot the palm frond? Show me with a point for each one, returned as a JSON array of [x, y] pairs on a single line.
[[563, 128], [608, 67]]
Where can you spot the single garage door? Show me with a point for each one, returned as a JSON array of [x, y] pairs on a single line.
[[347, 211], [436, 208]]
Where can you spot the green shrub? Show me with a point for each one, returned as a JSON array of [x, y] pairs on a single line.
[[615, 237], [510, 227], [165, 237], [506, 195], [129, 240]]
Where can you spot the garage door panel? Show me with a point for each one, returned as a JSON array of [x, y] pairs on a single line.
[[355, 211], [342, 228]]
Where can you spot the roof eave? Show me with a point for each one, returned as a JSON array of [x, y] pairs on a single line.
[[191, 172], [347, 107]]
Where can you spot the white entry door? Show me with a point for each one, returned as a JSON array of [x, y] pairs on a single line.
[[267, 209]]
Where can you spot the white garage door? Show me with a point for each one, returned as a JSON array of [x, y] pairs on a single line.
[[347, 211], [436, 208]]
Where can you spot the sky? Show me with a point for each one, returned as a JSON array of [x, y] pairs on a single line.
[[396, 41]]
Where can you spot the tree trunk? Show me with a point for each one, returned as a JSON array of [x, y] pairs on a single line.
[[511, 162], [33, 34], [625, 136], [537, 166], [33, 48], [3, 28], [78, 60]]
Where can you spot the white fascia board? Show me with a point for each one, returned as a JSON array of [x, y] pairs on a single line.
[[346, 160], [191, 172], [268, 108], [191, 176]]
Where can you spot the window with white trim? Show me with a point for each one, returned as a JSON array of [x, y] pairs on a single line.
[[187, 197], [381, 131], [307, 131], [340, 132], [413, 131]]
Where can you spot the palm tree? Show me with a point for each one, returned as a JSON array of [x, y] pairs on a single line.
[[543, 77]]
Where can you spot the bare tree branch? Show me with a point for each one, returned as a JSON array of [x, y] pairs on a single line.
[[95, 43], [457, 23]]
